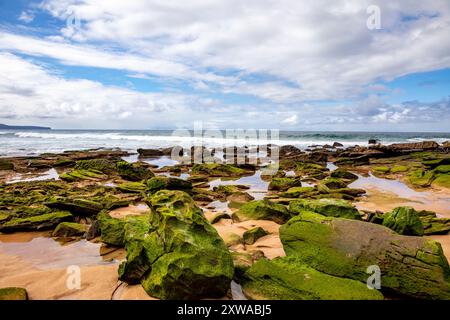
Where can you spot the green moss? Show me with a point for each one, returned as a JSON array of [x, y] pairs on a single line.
[[326, 207], [6, 165], [333, 183], [397, 169], [381, 169], [344, 174], [288, 279], [70, 229], [39, 222], [250, 236], [263, 210], [132, 187], [218, 170], [133, 172], [13, 294], [81, 174], [296, 192], [283, 184], [442, 169], [76, 206], [404, 220], [442, 180], [167, 183], [420, 178], [101, 165]]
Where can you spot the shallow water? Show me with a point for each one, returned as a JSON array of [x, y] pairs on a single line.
[[388, 194], [46, 253], [258, 187], [51, 174]]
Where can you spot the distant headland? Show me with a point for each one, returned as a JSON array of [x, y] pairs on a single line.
[[4, 126]]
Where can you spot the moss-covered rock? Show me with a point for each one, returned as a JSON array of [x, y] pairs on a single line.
[[83, 207], [70, 229], [13, 294], [432, 224], [311, 170], [250, 236], [410, 266], [218, 170], [80, 175], [263, 210], [296, 192], [344, 174], [442, 180], [242, 262], [288, 279], [6, 165], [284, 184], [132, 187], [100, 165], [442, 169], [326, 207], [167, 183], [334, 183], [133, 171], [404, 220], [397, 169], [420, 178], [180, 256], [38, 222], [381, 169]]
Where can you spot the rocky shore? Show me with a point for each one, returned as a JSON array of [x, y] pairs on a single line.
[[147, 227]]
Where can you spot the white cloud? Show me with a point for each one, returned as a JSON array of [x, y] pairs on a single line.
[[26, 16], [324, 48], [292, 120]]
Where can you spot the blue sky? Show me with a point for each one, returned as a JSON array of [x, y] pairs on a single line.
[[263, 64]]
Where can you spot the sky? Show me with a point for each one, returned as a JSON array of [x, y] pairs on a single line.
[[260, 64]]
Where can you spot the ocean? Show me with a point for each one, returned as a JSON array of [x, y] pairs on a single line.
[[35, 142]]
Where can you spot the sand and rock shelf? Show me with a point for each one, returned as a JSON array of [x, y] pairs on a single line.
[[142, 226]]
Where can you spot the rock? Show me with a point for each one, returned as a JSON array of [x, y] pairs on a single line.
[[180, 256], [411, 266], [432, 224], [80, 175], [420, 178], [218, 170], [133, 171], [132, 187], [337, 144], [239, 198], [150, 153], [360, 160], [397, 169], [64, 162], [441, 180], [250, 236], [38, 222], [100, 165], [13, 294], [311, 170], [334, 183], [344, 174], [94, 231], [6, 165], [283, 184], [168, 183], [242, 262], [76, 206], [288, 279], [70, 229], [326, 207], [263, 210], [405, 221], [373, 141], [296, 192], [219, 217], [112, 230]]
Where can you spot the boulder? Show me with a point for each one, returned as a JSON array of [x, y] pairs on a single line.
[[80, 175], [404, 220], [38, 222], [296, 192], [70, 229], [263, 210], [344, 174], [250, 236], [180, 255], [411, 266], [6, 165], [334, 183], [288, 279], [150, 153], [132, 187], [327, 207], [100, 165]]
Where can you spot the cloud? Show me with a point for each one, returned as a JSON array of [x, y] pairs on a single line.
[[26, 16], [292, 120], [324, 49]]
